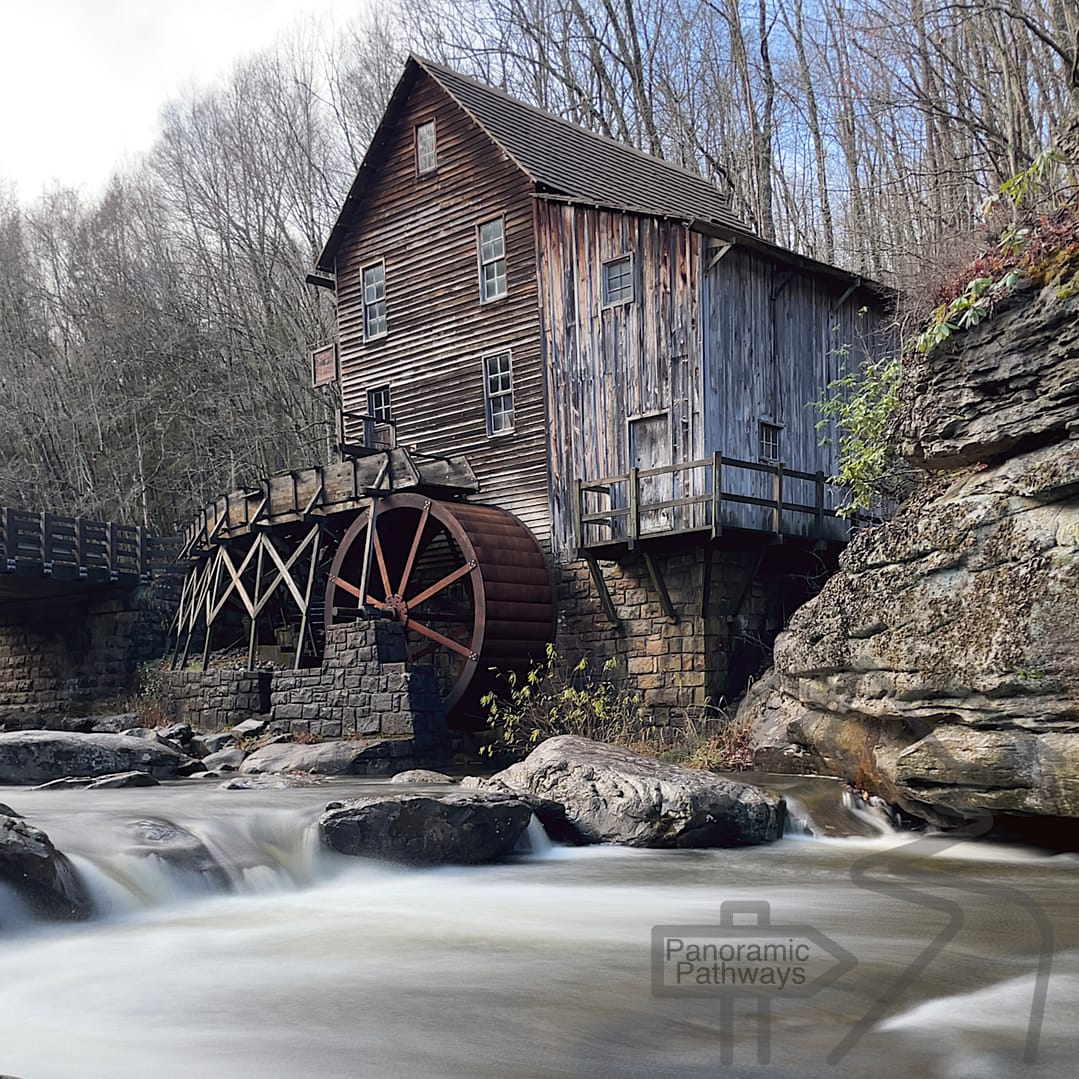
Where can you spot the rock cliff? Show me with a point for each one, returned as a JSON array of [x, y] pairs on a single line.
[[939, 667]]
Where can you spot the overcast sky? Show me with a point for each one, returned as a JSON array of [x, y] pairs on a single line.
[[82, 81]]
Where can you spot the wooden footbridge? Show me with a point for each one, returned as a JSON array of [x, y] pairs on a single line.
[[45, 553]]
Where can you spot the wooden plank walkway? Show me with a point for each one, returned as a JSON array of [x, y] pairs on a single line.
[[36, 546]]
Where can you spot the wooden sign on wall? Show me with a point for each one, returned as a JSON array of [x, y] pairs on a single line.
[[323, 365]]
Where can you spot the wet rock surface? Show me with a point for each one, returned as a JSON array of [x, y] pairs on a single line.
[[113, 782], [939, 668], [467, 828], [345, 757], [33, 757], [606, 794], [421, 775], [39, 874]]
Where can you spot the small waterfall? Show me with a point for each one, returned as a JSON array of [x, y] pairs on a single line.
[[535, 841]]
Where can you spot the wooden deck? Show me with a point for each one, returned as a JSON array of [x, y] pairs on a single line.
[[707, 496], [37, 548]]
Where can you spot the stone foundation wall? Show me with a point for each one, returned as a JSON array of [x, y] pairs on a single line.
[[707, 657], [214, 700], [61, 654], [364, 689]]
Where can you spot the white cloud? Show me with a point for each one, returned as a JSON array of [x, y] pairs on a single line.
[[82, 81]]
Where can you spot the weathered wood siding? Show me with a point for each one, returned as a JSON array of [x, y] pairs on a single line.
[[424, 228], [773, 341], [609, 364]]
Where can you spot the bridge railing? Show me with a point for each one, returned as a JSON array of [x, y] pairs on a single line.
[[73, 548]]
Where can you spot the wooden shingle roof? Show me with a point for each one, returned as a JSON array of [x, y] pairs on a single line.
[[562, 160], [578, 164]]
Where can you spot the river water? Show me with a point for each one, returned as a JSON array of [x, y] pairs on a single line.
[[308, 964]]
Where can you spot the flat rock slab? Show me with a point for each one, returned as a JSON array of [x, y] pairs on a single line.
[[31, 757], [610, 795], [265, 782], [359, 757], [113, 782], [454, 829]]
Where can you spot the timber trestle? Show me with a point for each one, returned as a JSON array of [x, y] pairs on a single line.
[[385, 535]]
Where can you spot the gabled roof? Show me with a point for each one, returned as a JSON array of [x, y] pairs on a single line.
[[561, 158]]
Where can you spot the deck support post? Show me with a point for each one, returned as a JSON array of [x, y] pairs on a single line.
[[601, 587], [660, 586]]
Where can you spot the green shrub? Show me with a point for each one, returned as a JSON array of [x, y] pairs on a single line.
[[555, 697]]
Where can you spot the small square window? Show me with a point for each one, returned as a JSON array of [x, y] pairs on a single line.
[[378, 403], [374, 300], [618, 280], [498, 393], [768, 438], [492, 252], [426, 157]]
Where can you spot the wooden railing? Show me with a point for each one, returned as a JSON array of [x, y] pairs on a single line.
[[707, 495], [71, 548], [358, 433]]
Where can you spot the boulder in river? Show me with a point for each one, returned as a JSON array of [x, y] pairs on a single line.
[[365, 756], [180, 849], [30, 757], [224, 760], [421, 775], [610, 795], [113, 782], [117, 724], [38, 873], [453, 829]]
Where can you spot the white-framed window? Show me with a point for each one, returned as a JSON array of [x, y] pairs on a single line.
[[378, 403], [768, 441], [498, 393], [618, 280], [426, 153], [492, 254], [374, 300]]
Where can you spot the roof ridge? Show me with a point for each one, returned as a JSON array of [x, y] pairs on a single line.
[[433, 68]]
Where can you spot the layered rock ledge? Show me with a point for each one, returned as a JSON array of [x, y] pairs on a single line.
[[939, 667]]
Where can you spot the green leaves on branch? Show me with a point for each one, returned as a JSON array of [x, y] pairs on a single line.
[[965, 311], [861, 405], [555, 697]]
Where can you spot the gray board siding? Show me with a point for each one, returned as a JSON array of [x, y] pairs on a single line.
[[773, 341]]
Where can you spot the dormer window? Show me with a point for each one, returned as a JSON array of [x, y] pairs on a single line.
[[618, 280], [492, 253], [426, 156]]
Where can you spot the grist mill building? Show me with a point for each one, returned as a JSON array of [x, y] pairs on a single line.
[[574, 409]]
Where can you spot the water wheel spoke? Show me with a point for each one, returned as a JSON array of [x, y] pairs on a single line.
[[382, 564], [416, 540], [351, 589], [441, 638], [446, 581], [423, 653]]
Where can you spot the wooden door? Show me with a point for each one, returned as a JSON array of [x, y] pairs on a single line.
[[649, 448]]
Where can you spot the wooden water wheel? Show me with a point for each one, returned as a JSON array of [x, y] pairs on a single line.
[[468, 583]]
